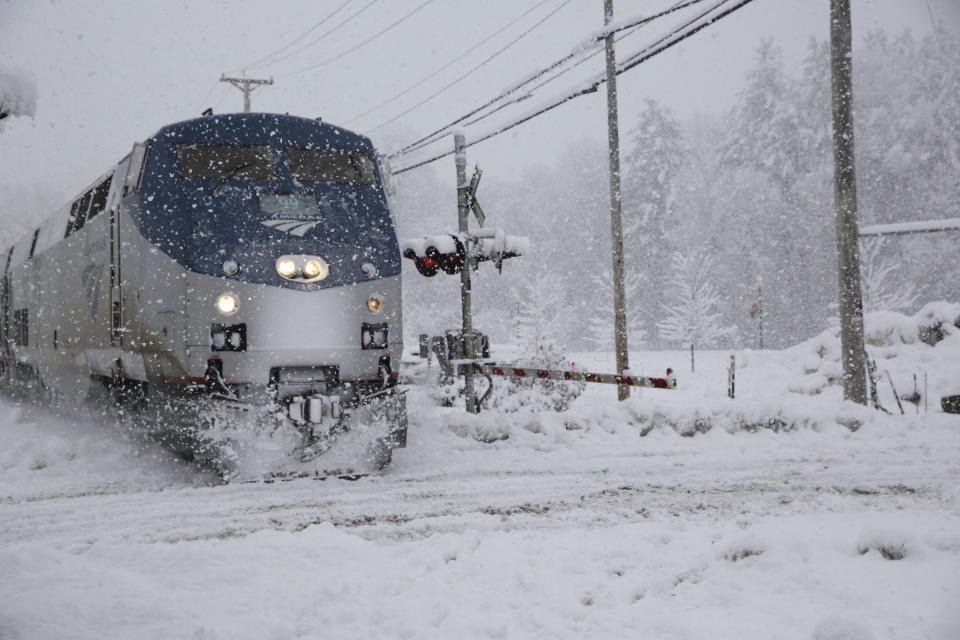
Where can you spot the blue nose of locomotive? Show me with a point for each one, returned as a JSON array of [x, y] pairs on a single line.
[[231, 195]]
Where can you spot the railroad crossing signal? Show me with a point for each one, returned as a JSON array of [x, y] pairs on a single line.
[[448, 252], [472, 196]]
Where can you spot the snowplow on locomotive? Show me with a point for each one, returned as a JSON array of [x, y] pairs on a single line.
[[234, 274]]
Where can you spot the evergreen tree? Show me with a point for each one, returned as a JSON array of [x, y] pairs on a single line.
[[543, 321], [691, 314], [657, 155], [600, 328]]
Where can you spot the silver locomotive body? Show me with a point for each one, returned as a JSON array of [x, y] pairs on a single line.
[[244, 257]]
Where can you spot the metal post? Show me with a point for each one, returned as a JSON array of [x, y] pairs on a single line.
[[845, 203], [616, 223], [463, 212]]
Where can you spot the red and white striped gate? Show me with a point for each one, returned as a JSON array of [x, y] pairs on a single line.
[[668, 382]]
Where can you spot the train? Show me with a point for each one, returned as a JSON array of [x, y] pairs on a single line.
[[242, 266]]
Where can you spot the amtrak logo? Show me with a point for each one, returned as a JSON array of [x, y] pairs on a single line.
[[289, 226], [90, 277]]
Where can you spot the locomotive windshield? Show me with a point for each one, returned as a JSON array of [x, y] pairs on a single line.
[[337, 166], [197, 161]]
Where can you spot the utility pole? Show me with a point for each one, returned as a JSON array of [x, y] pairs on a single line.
[[760, 309], [616, 222], [463, 213], [246, 85], [845, 204]]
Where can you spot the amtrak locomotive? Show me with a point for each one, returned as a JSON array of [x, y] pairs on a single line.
[[245, 263]]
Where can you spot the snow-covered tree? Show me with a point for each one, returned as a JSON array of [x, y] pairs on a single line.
[[657, 153], [690, 315], [879, 294], [18, 95], [600, 328], [544, 319]]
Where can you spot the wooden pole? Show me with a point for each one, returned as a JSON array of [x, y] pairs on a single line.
[[845, 202], [616, 222], [463, 214]]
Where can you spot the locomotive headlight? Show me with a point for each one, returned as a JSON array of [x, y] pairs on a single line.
[[228, 303], [374, 304], [316, 269], [286, 267]]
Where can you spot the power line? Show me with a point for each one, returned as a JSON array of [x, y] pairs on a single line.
[[436, 135], [471, 71], [364, 43], [592, 42], [430, 76], [316, 26], [591, 86], [594, 84], [326, 33]]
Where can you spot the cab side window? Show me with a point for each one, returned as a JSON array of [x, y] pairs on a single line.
[[78, 213], [99, 200]]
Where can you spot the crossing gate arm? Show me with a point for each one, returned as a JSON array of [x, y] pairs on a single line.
[[668, 382]]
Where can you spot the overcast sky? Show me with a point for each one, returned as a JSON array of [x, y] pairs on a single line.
[[113, 71]]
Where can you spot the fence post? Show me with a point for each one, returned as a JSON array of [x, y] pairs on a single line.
[[732, 377]]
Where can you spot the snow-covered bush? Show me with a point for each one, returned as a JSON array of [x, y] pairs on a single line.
[[528, 394]]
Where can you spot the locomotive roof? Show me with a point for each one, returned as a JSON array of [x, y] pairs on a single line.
[[262, 128]]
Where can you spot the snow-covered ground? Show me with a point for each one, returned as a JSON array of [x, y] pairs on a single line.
[[788, 514]]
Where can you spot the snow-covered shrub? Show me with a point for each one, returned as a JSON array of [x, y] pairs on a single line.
[[891, 545], [744, 547], [511, 395]]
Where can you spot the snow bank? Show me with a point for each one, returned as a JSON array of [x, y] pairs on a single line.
[[18, 94], [797, 389], [912, 353]]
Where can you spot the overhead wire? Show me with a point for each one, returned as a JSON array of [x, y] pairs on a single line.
[[632, 26], [590, 87], [323, 35], [631, 62], [316, 25], [361, 44], [433, 74], [578, 50], [532, 90], [472, 70], [428, 140]]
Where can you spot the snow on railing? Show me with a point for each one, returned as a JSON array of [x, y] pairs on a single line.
[[920, 226]]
